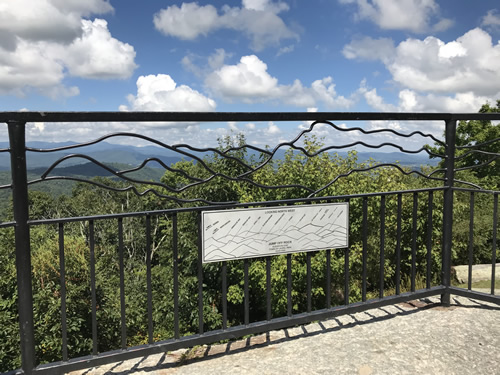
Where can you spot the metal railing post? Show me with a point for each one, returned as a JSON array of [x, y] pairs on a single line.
[[22, 239], [450, 138]]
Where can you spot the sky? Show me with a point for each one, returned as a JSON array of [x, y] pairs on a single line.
[[253, 55]]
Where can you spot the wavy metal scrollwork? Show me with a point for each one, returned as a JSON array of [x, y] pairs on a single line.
[[249, 169], [476, 149], [6, 186]]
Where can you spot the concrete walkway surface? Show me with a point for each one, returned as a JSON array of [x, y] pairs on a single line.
[[419, 337]]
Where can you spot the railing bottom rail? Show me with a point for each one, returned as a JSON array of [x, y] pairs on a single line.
[[480, 296], [231, 333]]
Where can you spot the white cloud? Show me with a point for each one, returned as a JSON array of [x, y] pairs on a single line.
[[286, 49], [467, 65], [265, 5], [189, 65], [442, 25], [262, 133], [272, 129], [249, 81], [375, 101], [44, 41], [154, 93], [233, 126], [410, 101], [161, 93], [216, 60], [412, 15], [84, 8], [491, 19], [213, 62], [257, 19], [96, 54], [413, 101], [187, 22], [47, 20], [324, 91], [192, 134], [30, 66], [367, 48]]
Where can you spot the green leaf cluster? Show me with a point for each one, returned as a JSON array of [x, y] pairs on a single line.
[[328, 170]]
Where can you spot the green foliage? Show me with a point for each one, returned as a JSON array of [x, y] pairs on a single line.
[[295, 169], [475, 132], [485, 173], [9, 318]]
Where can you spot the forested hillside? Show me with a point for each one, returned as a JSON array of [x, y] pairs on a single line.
[[294, 168]]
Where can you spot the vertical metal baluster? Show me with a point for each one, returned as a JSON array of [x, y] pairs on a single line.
[[309, 281], [494, 245], [328, 278], [224, 295], [93, 287], [20, 202], [365, 247], [62, 281], [449, 163], [382, 246], [471, 239], [429, 239], [398, 246], [289, 283], [346, 276], [246, 291], [414, 243], [268, 288], [122, 283], [175, 255], [200, 278], [148, 279], [346, 270]]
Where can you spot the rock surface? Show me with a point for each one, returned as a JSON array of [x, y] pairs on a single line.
[[419, 337], [480, 272]]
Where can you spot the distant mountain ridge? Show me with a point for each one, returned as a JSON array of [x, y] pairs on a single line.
[[89, 170], [105, 152], [123, 157]]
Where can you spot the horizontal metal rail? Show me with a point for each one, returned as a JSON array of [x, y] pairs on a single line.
[[236, 116], [475, 295], [225, 207], [373, 213]]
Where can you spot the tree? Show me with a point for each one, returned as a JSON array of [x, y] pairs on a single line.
[[293, 169], [482, 141], [476, 159]]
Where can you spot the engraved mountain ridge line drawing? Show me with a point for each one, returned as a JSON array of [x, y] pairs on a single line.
[[257, 232]]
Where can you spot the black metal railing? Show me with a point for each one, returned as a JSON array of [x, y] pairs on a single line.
[[395, 238]]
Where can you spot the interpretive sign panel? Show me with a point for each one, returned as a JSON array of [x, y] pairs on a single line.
[[257, 232]]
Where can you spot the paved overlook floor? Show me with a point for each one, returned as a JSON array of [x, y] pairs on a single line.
[[419, 337]]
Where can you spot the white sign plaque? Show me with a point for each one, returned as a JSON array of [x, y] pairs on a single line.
[[257, 232]]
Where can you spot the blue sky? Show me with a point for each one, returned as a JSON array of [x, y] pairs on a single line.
[[253, 55]]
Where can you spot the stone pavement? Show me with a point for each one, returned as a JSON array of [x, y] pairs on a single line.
[[419, 337]]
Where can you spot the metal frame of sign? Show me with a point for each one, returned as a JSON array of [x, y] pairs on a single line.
[[258, 232]]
